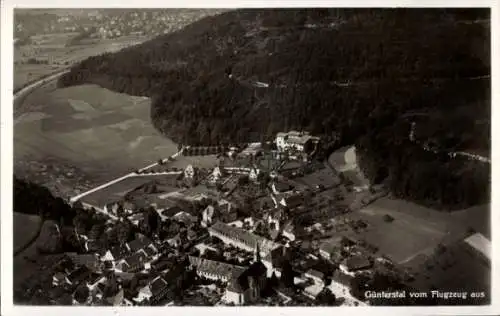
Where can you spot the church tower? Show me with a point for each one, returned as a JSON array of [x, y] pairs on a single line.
[[256, 256]]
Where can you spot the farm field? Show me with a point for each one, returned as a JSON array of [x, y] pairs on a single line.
[[118, 190], [25, 228], [415, 229], [100, 132], [26, 73], [51, 47]]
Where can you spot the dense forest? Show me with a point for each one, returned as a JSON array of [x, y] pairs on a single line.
[[345, 74]]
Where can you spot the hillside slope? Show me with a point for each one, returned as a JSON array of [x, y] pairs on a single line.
[[342, 73]]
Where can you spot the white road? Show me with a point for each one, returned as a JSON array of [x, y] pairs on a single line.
[[131, 174], [38, 83]]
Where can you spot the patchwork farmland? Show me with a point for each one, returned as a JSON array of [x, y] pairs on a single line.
[[103, 133]]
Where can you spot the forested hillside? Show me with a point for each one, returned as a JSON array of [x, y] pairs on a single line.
[[345, 74], [31, 198]]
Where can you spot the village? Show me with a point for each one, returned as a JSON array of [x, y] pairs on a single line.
[[264, 226]]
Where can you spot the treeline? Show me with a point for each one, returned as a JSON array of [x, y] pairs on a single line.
[[34, 199], [331, 78], [410, 172], [80, 37]]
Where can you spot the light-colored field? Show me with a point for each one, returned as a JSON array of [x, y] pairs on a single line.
[[52, 48], [415, 229], [99, 131], [209, 161], [25, 227], [118, 190], [24, 74]]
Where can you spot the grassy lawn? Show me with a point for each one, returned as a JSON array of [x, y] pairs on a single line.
[[99, 131], [415, 229], [118, 190]]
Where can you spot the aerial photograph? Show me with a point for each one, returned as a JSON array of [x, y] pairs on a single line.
[[252, 157]]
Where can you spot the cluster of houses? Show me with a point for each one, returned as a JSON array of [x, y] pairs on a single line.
[[229, 261]]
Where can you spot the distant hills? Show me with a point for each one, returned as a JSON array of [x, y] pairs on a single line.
[[346, 74]]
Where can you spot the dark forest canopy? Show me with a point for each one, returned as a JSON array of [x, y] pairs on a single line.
[[347, 73], [34, 199]]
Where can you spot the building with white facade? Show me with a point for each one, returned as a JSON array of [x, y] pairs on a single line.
[[294, 140], [241, 238]]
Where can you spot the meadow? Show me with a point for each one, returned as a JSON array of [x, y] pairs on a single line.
[[118, 190], [52, 48], [103, 133], [415, 230]]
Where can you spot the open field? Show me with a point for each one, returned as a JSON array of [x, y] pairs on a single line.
[[118, 190], [477, 217], [25, 228], [415, 229], [209, 161], [51, 48], [100, 132]]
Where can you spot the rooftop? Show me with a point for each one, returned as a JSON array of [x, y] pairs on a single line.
[[135, 259], [216, 267], [480, 243], [315, 273], [158, 285], [243, 236], [357, 263], [79, 274], [139, 243]]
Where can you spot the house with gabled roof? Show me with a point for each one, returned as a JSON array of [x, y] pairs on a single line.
[[140, 243], [279, 187], [288, 199], [355, 263], [133, 263], [254, 173], [79, 275], [215, 270], [154, 291], [116, 254]]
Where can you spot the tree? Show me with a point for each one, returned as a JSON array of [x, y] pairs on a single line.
[[243, 180], [326, 297], [96, 231], [124, 232], [359, 284], [151, 223], [50, 240], [81, 293]]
